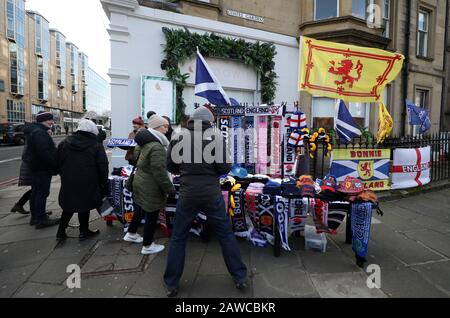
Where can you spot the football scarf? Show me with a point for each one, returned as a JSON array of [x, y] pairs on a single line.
[[266, 217], [115, 197], [321, 217], [361, 224], [295, 140], [288, 154], [297, 215], [282, 210], [250, 144], [238, 220], [257, 239], [251, 206], [337, 212], [275, 147], [261, 159], [238, 140], [224, 126]]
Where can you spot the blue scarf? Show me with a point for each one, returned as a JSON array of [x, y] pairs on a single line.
[[239, 220], [282, 212], [361, 223]]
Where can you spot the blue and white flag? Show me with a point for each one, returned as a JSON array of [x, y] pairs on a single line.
[[208, 87], [344, 124], [419, 116]]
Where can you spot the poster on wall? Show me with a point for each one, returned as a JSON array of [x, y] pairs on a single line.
[[372, 166], [158, 95], [411, 168]]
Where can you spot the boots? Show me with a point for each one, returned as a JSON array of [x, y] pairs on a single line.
[[19, 209], [85, 233], [65, 219]]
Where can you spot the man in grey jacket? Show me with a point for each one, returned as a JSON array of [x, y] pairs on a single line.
[[199, 155]]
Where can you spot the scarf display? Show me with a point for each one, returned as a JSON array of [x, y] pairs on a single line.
[[266, 216], [261, 159], [275, 147], [361, 223], [250, 144], [282, 215], [337, 212]]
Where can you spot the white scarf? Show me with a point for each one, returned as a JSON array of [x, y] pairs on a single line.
[[160, 136]]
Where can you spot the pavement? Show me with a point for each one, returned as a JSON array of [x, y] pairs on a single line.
[[410, 244]]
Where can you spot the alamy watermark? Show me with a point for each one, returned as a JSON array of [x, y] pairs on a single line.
[[74, 279], [374, 16], [374, 279]]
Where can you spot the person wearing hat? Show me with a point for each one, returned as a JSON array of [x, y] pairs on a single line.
[[138, 123], [151, 184], [40, 153], [200, 191], [83, 166]]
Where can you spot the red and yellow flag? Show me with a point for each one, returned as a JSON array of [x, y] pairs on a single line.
[[385, 124], [347, 72]]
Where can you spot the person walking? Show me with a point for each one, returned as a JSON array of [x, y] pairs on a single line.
[[138, 123], [151, 184], [66, 128], [41, 151], [200, 191], [83, 166], [101, 135]]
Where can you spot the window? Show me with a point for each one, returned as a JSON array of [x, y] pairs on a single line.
[[359, 8], [60, 60], [35, 109], [10, 17], [387, 18], [422, 34], [326, 9], [16, 111], [422, 98], [38, 30]]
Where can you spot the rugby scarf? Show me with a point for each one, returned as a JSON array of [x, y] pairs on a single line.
[[321, 217], [361, 223], [261, 159], [250, 144], [275, 147], [266, 217], [282, 216], [238, 220], [337, 211]]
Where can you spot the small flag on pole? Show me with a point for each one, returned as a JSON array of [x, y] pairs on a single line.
[[419, 116], [344, 124], [385, 124]]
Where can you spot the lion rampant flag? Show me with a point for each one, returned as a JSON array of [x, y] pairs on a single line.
[[385, 124], [347, 72]]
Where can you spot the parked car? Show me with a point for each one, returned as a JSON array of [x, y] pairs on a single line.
[[12, 134]]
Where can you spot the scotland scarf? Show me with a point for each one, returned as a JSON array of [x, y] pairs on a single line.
[[282, 215], [239, 221], [238, 140], [266, 217], [361, 224]]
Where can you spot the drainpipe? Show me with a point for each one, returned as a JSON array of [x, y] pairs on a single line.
[[442, 121], [406, 66]]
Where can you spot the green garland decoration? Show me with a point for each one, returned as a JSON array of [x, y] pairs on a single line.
[[181, 45]]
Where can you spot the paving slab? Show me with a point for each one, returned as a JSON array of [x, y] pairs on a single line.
[[35, 290], [217, 286], [437, 274], [13, 278]]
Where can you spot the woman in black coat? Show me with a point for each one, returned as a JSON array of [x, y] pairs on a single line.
[[83, 166]]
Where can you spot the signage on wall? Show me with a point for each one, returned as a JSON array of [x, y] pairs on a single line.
[[158, 95], [245, 16]]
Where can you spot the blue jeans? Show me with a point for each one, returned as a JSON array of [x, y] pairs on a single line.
[[40, 190], [217, 217]]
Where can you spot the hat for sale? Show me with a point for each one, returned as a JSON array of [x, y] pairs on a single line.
[[305, 180], [351, 186], [329, 183]]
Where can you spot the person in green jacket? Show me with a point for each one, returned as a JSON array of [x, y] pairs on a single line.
[[151, 184]]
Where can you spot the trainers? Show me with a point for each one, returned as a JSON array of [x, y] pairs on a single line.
[[241, 286], [133, 238], [171, 293], [152, 249], [19, 209]]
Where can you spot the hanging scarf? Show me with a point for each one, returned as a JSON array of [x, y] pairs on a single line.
[[321, 217], [238, 219], [257, 239], [295, 140], [237, 141], [289, 153], [266, 216], [250, 144], [297, 121], [337, 211], [282, 215], [361, 224], [251, 205], [261, 162], [275, 147], [297, 215], [224, 126]]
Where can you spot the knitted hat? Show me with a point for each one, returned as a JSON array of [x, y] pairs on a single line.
[[87, 126], [351, 186], [157, 121], [138, 121], [329, 183], [44, 116], [203, 113]]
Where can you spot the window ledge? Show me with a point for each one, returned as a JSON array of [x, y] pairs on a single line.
[[425, 58]]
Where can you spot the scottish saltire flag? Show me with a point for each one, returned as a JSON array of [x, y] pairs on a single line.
[[208, 87], [344, 124], [419, 116]]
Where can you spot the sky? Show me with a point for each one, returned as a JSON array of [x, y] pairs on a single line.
[[84, 23]]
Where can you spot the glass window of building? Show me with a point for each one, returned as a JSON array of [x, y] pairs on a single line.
[[16, 34], [60, 59], [43, 55], [15, 111], [422, 98], [423, 36], [10, 17], [74, 67], [359, 8], [326, 9], [387, 18]]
